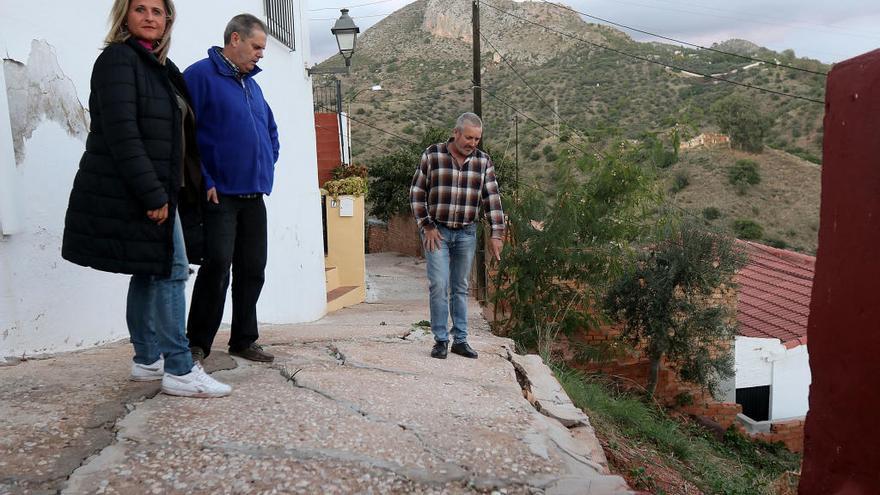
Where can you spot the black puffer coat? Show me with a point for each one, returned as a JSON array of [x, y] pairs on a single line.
[[131, 165]]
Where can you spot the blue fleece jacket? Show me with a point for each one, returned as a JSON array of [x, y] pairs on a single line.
[[236, 131]]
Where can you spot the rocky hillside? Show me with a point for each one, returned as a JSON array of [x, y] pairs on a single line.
[[421, 56]]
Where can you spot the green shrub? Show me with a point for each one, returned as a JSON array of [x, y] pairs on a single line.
[[742, 174], [711, 213], [748, 229], [346, 171], [679, 181], [741, 119], [776, 242]]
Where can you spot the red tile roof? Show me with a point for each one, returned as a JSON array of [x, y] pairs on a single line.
[[774, 294]]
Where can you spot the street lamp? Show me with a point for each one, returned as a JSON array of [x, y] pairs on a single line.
[[346, 36], [376, 87], [345, 32]]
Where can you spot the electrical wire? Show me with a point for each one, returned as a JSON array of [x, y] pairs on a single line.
[[542, 126], [352, 6], [651, 61], [353, 17], [523, 79], [415, 99], [401, 138], [745, 57]]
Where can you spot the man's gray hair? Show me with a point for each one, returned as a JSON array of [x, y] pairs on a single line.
[[244, 25], [468, 119]]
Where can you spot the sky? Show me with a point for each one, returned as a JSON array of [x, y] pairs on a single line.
[[827, 30]]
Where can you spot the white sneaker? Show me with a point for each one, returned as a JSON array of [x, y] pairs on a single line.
[[147, 372], [196, 383]]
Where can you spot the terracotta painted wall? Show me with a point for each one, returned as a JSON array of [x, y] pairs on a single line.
[[327, 137], [842, 437], [399, 235]]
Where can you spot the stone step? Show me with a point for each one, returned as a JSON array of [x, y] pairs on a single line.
[[347, 295]]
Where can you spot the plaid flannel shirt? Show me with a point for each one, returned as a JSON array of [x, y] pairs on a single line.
[[445, 193]]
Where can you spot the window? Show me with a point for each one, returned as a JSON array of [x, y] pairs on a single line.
[[279, 20]]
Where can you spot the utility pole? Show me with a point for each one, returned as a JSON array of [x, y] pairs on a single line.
[[480, 273], [478, 96]]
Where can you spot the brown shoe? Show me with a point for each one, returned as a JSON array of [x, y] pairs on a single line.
[[253, 352], [198, 354]]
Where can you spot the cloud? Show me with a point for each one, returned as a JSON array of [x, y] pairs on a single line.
[[827, 30]]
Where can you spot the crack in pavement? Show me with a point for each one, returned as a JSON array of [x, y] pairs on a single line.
[[440, 476], [426, 446]]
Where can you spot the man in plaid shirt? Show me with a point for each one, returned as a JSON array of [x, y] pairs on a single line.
[[453, 180]]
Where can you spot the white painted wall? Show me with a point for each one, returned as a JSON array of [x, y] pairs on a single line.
[[789, 396], [50, 305], [787, 371]]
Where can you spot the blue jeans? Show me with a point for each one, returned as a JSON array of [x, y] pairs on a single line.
[[156, 313], [448, 271]]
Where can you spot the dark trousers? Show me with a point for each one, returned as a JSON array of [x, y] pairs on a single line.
[[235, 235]]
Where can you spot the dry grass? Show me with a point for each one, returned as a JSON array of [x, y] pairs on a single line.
[[785, 203]]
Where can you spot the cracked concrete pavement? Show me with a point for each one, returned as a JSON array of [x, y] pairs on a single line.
[[352, 404]]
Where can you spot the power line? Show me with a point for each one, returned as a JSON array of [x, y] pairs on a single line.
[[745, 57], [401, 138], [416, 99], [350, 7], [752, 18], [371, 144], [542, 126], [523, 79], [353, 17], [651, 61]]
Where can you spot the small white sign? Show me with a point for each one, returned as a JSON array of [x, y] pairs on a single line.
[[346, 206]]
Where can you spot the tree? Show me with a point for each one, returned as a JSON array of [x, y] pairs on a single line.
[[567, 239], [391, 175], [740, 118], [665, 303]]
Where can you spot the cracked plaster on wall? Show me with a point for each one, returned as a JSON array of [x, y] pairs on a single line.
[[38, 91]]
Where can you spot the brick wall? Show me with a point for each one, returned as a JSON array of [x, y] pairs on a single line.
[[791, 433], [399, 235]]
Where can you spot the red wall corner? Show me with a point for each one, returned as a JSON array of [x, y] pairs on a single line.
[[841, 454], [327, 137]]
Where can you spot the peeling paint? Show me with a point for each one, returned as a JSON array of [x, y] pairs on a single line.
[[38, 91]]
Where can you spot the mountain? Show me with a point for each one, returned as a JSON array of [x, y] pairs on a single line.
[[602, 84]]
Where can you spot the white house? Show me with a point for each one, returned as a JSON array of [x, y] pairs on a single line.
[[772, 363], [49, 305]]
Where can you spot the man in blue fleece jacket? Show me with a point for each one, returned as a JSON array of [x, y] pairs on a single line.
[[238, 141]]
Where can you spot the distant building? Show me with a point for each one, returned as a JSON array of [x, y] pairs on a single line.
[[706, 140]]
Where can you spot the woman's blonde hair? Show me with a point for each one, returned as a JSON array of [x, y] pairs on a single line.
[[119, 31]]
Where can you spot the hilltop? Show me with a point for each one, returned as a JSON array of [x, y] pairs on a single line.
[[421, 56]]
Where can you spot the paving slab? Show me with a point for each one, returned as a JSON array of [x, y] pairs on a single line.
[[352, 404]]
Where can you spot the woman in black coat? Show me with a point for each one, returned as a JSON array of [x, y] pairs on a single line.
[[140, 164]]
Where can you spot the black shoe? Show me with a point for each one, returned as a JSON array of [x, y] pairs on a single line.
[[439, 350], [253, 352], [463, 349], [198, 354]]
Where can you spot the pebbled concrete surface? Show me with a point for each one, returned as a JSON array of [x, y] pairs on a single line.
[[352, 404]]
